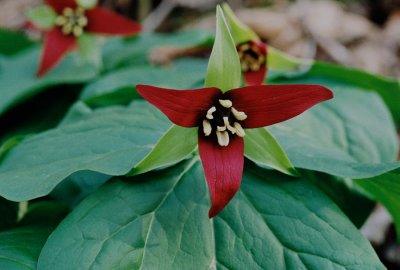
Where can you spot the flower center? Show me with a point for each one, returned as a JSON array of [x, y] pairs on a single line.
[[251, 57], [72, 21], [223, 119]]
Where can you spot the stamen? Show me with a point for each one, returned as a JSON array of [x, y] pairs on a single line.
[[210, 112], [225, 103], [228, 125], [207, 128], [238, 115], [72, 22], [239, 130], [219, 128], [223, 138]]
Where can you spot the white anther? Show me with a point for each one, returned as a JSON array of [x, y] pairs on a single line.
[[77, 31], [223, 138], [207, 128], [238, 115], [219, 128], [239, 130], [210, 112], [225, 103]]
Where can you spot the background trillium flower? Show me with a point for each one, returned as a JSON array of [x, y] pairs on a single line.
[[71, 22], [222, 119], [253, 59]]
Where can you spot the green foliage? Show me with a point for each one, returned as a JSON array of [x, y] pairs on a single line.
[[43, 17], [12, 42], [129, 223]]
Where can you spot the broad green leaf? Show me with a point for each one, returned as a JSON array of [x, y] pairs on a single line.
[[20, 247], [119, 53], [159, 221], [119, 87], [87, 4], [334, 75], [78, 186], [18, 80], [350, 198], [9, 144], [13, 42], [9, 214], [351, 136], [109, 141], [262, 148], [240, 32], [174, 146], [43, 17], [223, 70], [385, 189]]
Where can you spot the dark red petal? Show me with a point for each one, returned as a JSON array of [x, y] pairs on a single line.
[[255, 77], [103, 21], [59, 5], [184, 108], [223, 168], [269, 104], [56, 45]]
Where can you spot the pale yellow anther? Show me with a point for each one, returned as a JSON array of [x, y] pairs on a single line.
[[219, 128], [77, 31], [228, 125], [83, 21], [223, 138], [68, 11], [225, 103], [210, 112], [239, 130], [60, 20], [67, 29], [207, 128], [238, 115]]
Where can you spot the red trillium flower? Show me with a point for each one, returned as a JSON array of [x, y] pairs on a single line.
[[72, 21], [222, 118], [253, 60]]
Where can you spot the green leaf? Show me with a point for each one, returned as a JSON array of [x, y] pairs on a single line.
[[351, 136], [350, 198], [262, 148], [13, 42], [119, 87], [19, 82], [385, 189], [87, 4], [223, 70], [9, 144], [334, 75], [240, 32], [43, 17], [110, 141], [20, 248], [162, 223], [44, 213], [174, 146]]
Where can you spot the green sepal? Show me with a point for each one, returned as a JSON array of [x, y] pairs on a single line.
[[90, 49], [87, 4], [176, 144], [43, 17], [241, 33], [223, 70], [278, 60], [263, 149]]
